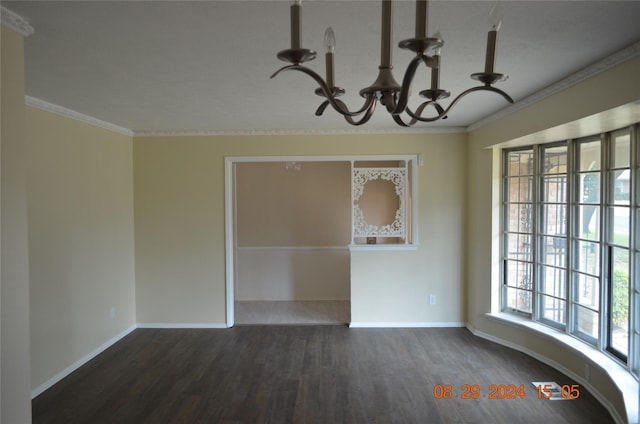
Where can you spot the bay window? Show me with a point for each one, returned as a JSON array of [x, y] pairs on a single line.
[[571, 239]]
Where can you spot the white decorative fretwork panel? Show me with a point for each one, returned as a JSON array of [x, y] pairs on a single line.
[[397, 176]]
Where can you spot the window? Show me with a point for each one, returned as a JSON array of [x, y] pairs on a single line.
[[518, 211], [571, 239], [585, 266]]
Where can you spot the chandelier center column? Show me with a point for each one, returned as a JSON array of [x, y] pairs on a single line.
[[387, 32]]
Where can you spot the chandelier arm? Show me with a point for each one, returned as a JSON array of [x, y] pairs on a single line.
[[418, 112], [367, 114], [443, 113], [407, 80], [339, 106], [284, 68], [500, 92], [322, 107], [399, 121]]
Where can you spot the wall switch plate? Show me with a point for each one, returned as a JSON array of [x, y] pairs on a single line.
[[432, 299]]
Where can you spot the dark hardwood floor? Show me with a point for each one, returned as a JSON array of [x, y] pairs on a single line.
[[306, 374]]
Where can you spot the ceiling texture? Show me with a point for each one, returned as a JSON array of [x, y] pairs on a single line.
[[204, 66]]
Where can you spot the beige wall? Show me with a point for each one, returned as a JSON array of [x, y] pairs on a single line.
[[179, 223], [80, 186], [280, 207], [610, 89], [15, 391], [293, 228]]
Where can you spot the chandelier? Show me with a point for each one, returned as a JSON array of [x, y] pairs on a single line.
[[393, 96]]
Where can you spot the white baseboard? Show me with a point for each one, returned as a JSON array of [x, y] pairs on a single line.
[[405, 324], [548, 361], [80, 362], [182, 325]]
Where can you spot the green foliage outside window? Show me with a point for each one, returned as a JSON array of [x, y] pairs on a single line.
[[620, 304]]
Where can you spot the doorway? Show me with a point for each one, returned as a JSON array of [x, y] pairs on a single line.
[[288, 238]]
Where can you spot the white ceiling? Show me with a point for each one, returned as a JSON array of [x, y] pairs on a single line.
[[205, 65]]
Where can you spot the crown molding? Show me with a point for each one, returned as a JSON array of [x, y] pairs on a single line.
[[590, 71], [60, 110], [280, 132], [15, 22], [63, 111]]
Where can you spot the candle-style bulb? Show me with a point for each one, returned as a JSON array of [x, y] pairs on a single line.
[[330, 44], [435, 70], [495, 17], [438, 49], [495, 21], [330, 40]]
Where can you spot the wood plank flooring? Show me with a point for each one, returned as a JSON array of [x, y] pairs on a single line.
[[306, 374]]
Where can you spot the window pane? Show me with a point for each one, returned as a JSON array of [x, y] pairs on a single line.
[[620, 188], [553, 281], [637, 178], [519, 189], [553, 309], [620, 150], [555, 160], [554, 189], [619, 229], [586, 322], [589, 188], [518, 252], [519, 300], [589, 222], [620, 300], [519, 247], [519, 219], [553, 220], [637, 235], [636, 347], [637, 232], [587, 291], [552, 251], [588, 257], [520, 163], [636, 340], [589, 156], [518, 274]]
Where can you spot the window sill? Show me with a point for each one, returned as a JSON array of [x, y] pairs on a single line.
[[382, 247], [622, 378]]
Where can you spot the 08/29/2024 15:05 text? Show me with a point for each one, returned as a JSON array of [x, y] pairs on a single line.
[[504, 391]]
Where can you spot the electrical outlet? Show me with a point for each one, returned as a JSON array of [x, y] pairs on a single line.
[[432, 299]]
